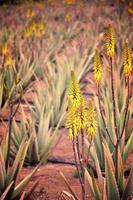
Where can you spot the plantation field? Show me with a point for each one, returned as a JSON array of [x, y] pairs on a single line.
[[60, 62]]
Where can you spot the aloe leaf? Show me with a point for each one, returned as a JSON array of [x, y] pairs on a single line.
[[33, 150], [67, 195], [97, 191], [11, 190], [4, 148], [128, 192], [108, 153], [104, 190], [6, 191], [22, 196], [128, 148], [23, 183], [28, 194], [120, 173], [19, 158], [1, 89], [89, 179], [98, 169], [69, 187], [2, 171], [111, 185]]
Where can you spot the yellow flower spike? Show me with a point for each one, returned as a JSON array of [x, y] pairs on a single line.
[[91, 120], [130, 8], [127, 61], [27, 32], [70, 2], [38, 33], [81, 115], [71, 123], [30, 14], [97, 68], [74, 91], [110, 41], [68, 17], [32, 27], [52, 2], [8, 60], [40, 29], [4, 49], [41, 26]]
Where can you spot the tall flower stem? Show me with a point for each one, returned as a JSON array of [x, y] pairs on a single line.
[[11, 116], [83, 171], [115, 121], [78, 153], [9, 132], [101, 113], [126, 109], [77, 164]]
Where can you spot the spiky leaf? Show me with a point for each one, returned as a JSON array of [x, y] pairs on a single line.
[[2, 171], [19, 188], [128, 192], [111, 185], [128, 148]]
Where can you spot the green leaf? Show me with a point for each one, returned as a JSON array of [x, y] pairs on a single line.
[[97, 191], [33, 150], [98, 169], [104, 190], [19, 188], [120, 173], [111, 185], [1, 88], [2, 171], [128, 148], [6, 191], [69, 187], [68, 195], [128, 192], [19, 160], [23, 196], [89, 179]]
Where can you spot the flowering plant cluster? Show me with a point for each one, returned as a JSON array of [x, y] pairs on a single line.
[[82, 122]]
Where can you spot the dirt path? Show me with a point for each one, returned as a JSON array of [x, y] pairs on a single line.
[[48, 175]]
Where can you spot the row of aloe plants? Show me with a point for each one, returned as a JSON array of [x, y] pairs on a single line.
[[32, 134], [48, 108], [34, 129], [49, 98]]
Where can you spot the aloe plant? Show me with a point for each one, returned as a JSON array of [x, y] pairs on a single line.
[[12, 76], [9, 188], [106, 103], [42, 137], [106, 187]]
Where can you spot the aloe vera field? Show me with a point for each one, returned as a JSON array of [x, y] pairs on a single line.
[[66, 100]]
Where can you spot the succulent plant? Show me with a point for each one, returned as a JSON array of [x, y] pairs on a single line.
[[41, 137], [9, 188], [106, 185], [12, 77]]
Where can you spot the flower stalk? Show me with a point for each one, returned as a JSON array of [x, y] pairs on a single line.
[[76, 162], [84, 166], [9, 132]]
